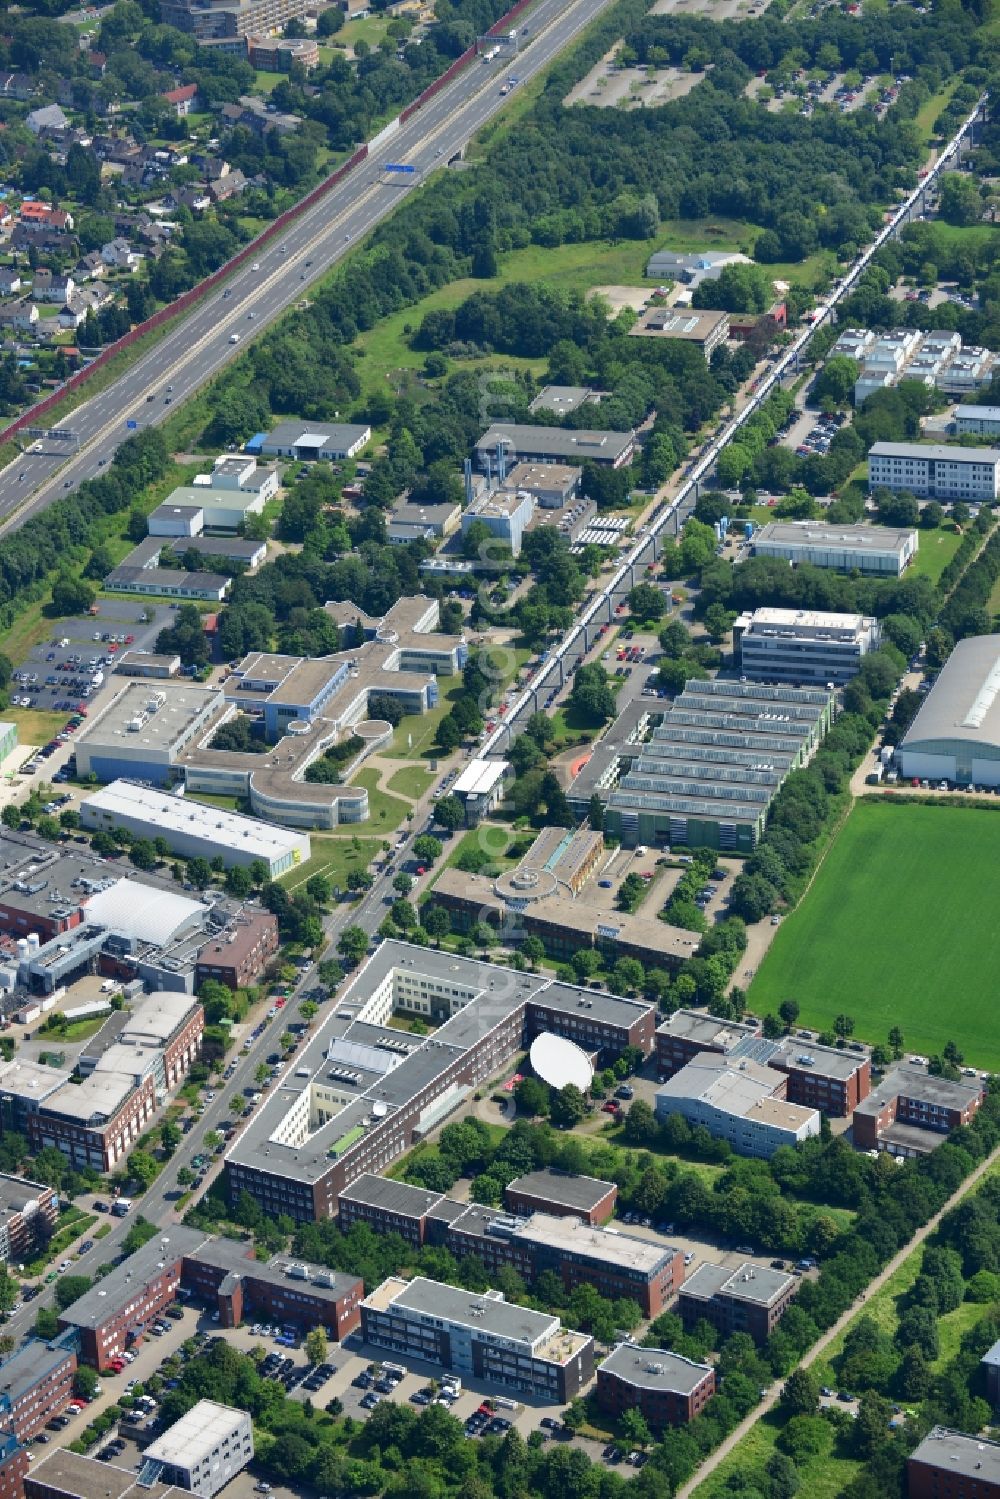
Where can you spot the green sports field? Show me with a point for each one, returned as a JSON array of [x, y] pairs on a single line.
[[901, 927]]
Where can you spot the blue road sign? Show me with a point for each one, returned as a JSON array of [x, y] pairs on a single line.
[[131, 425], [395, 166]]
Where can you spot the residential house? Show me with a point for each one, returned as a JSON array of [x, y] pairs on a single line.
[[52, 286], [89, 266], [119, 255], [97, 62], [84, 299], [230, 186], [10, 280], [184, 99], [48, 117], [45, 240], [43, 215], [21, 316], [19, 86]]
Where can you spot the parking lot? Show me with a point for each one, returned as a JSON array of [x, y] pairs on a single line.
[[59, 672]]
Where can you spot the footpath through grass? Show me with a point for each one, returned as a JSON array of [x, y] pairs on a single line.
[[897, 930]]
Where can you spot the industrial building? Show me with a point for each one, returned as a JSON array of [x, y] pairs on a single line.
[[704, 330], [552, 485], [202, 1451], [935, 471], [879, 551], [423, 522], [143, 571], [312, 440], [666, 1388], [953, 1465], [146, 664], [977, 421], [909, 1111], [193, 829], [215, 503], [749, 1299], [303, 706], [708, 774], [481, 1336], [738, 1100], [955, 736], [506, 444], [804, 646], [363, 1092]]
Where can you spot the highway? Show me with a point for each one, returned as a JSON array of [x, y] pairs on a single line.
[[599, 606], [197, 346]]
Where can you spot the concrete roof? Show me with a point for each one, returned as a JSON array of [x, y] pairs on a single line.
[[482, 1312], [655, 1369], [196, 1435], [705, 1029], [556, 442], [956, 1452], [964, 703], [96, 1305], [79, 1477], [813, 534], [749, 1282], [391, 1196], [29, 1364], [182, 705], [574, 1191], [915, 1083], [937, 452], [182, 814]]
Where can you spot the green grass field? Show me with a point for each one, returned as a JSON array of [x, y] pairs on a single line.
[[896, 931], [935, 552]]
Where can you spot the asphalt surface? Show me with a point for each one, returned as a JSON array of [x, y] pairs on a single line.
[[194, 349]]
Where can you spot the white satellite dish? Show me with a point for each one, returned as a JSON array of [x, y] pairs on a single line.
[[558, 1062]]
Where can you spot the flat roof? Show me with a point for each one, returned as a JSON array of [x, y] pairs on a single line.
[[178, 708], [529, 476], [655, 1369], [17, 1193], [479, 777], [30, 1080], [107, 1296], [749, 1282], [182, 814], [956, 1452], [814, 534], [79, 1477], [556, 442], [391, 1196], [560, 399], [964, 702], [810, 619], [934, 451], [196, 1435], [609, 1246], [486, 1312], [703, 1029], [915, 1083], [27, 1366], [978, 413], [317, 435], [564, 1187], [687, 324], [94, 1101]]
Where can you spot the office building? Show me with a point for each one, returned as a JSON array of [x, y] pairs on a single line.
[[953, 1465], [363, 1092], [202, 1451], [217, 503], [142, 730], [910, 1110], [562, 1194], [193, 829], [804, 646], [935, 471], [481, 787], [423, 522], [62, 1474], [506, 444], [750, 1299], [504, 512], [27, 1217], [977, 421], [560, 400], [690, 1033], [879, 551], [15, 1464], [311, 441], [239, 956], [708, 773], [667, 1389], [36, 1383], [738, 1100], [479, 1336], [703, 330], [955, 736], [387, 1207], [210, 19]]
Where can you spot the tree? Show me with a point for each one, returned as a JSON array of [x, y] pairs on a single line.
[[352, 945], [646, 602], [800, 1395], [402, 882], [85, 1382], [170, 1136], [636, 1428], [142, 1168], [71, 595], [789, 1012], [70, 1288], [843, 1026], [834, 387], [592, 694], [427, 849], [449, 813], [436, 922], [532, 1097], [960, 201], [316, 1346], [568, 1107]]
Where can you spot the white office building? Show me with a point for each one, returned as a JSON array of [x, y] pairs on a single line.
[[201, 1452], [935, 471], [880, 551], [803, 645], [193, 829], [504, 512], [738, 1100], [977, 421]]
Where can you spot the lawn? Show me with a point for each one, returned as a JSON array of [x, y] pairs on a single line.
[[822, 1477], [384, 811], [33, 726], [411, 781], [895, 922], [334, 858], [935, 551], [413, 738]]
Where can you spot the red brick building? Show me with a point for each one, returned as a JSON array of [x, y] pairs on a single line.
[[751, 1299], [951, 1465], [562, 1194], [387, 1207], [96, 1122], [688, 1032], [239, 956], [910, 1111], [827, 1078], [669, 1390], [14, 1466], [36, 1383], [284, 1290]]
